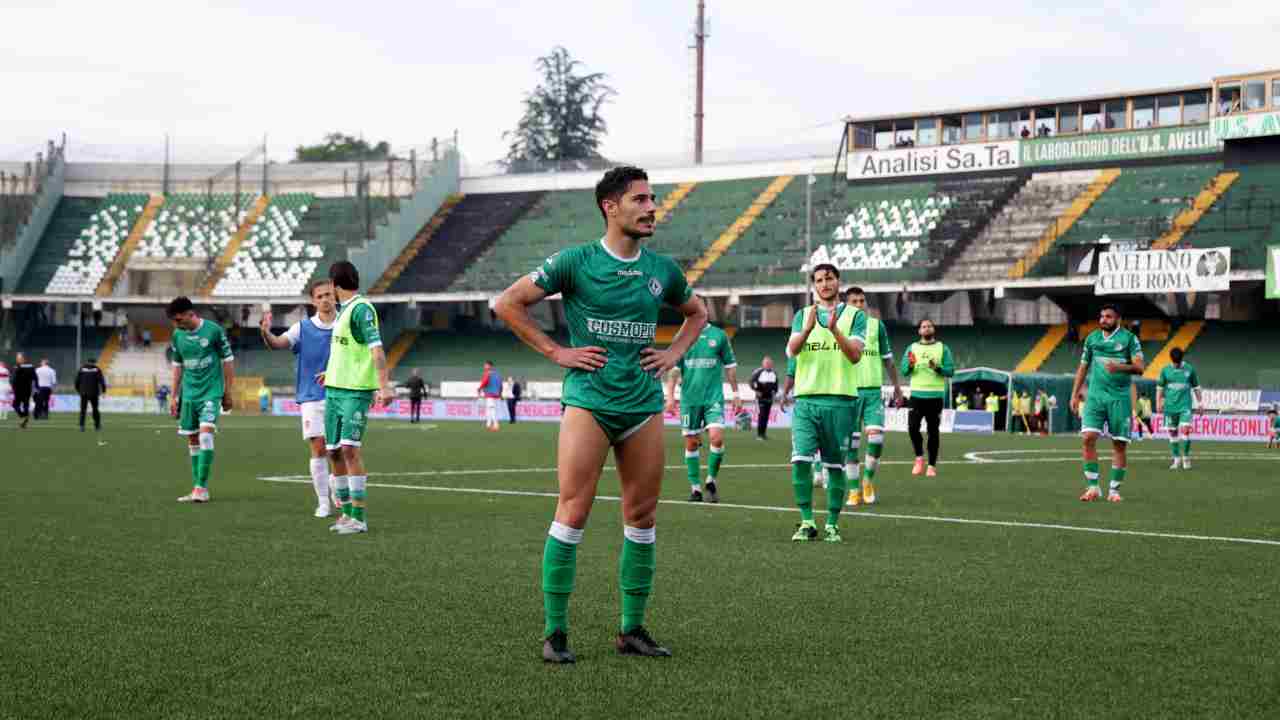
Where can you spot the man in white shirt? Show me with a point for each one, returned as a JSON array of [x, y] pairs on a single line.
[[46, 380]]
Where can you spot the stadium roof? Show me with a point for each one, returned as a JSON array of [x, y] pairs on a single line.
[[1032, 103]]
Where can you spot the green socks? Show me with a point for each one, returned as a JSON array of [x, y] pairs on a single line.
[[875, 447], [635, 574], [1186, 448], [1117, 477], [802, 485], [693, 468], [559, 565], [205, 466], [356, 483], [1091, 472], [836, 489], [713, 462], [1175, 448], [344, 493]]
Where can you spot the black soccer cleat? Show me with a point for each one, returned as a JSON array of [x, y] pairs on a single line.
[[713, 493], [555, 649], [638, 642], [695, 496]]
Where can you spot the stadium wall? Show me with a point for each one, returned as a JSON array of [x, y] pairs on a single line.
[[15, 261]]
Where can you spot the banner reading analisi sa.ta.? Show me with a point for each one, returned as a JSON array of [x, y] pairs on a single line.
[[933, 160]]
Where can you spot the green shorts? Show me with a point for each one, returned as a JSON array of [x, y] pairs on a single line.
[[1175, 420], [872, 403], [194, 413], [823, 429], [617, 426], [1115, 415], [346, 413], [696, 418]]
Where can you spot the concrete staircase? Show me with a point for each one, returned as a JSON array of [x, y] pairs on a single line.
[[739, 226], [1042, 349], [233, 247], [1189, 217], [415, 246], [1020, 225], [1183, 338], [130, 244]]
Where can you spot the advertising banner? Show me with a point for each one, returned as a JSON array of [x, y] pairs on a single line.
[[935, 160], [1227, 428], [65, 402], [1103, 147], [1231, 400], [1162, 271], [1273, 270], [1234, 127]]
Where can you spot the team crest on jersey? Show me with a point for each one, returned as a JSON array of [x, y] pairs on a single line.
[[712, 343], [204, 342], [655, 287]]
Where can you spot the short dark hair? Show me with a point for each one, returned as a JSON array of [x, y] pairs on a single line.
[[344, 275], [317, 283], [1113, 308], [854, 290], [1176, 354], [924, 320], [813, 274], [614, 183], [178, 306]]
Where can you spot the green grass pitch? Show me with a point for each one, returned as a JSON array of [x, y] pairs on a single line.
[[119, 602]]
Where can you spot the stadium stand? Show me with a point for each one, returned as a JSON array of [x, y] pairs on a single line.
[[335, 224], [1020, 225], [271, 261], [459, 355], [1246, 218], [1219, 361], [1140, 205], [191, 225], [470, 229], [1066, 356], [565, 218], [71, 217], [872, 232]]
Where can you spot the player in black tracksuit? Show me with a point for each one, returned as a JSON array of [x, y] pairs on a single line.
[[23, 381], [91, 385]]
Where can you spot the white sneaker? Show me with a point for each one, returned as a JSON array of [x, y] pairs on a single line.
[[1186, 463], [197, 495], [342, 521], [1177, 463], [323, 509], [352, 527]]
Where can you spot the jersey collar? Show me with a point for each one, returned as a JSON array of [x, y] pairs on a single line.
[[617, 257]]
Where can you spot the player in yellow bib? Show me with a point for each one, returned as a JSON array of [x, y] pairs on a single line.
[[354, 379], [827, 339]]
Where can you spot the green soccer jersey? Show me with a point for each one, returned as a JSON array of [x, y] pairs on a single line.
[[702, 368], [1177, 383], [1121, 346], [364, 325], [201, 353], [613, 303]]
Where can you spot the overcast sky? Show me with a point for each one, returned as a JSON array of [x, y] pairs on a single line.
[[116, 76]]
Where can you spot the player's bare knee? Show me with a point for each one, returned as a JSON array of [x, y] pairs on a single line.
[[640, 513], [692, 442]]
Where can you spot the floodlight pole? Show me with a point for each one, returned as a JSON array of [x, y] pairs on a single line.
[[700, 38]]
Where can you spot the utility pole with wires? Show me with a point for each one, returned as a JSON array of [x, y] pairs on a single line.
[[700, 43]]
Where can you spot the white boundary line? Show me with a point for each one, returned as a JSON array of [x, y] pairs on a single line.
[[853, 514]]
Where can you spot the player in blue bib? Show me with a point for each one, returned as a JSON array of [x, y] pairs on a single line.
[[309, 340]]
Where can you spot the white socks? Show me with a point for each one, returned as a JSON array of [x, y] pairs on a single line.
[[320, 478], [644, 536], [565, 534]]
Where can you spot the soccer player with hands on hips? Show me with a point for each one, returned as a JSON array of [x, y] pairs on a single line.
[[309, 339], [203, 375], [827, 339], [702, 405], [1112, 356], [612, 290]]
